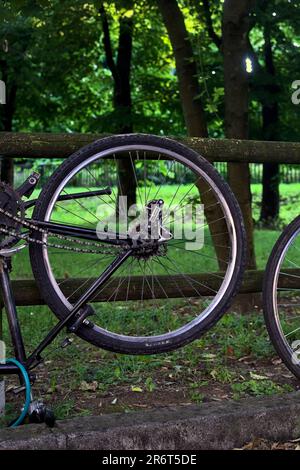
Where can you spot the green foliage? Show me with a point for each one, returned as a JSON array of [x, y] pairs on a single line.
[[57, 61], [63, 80], [258, 388], [282, 19], [197, 397]]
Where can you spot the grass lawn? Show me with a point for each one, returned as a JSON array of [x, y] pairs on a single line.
[[233, 360], [289, 201]]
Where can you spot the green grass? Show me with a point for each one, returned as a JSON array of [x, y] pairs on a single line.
[[289, 202], [200, 368], [258, 388], [241, 335]]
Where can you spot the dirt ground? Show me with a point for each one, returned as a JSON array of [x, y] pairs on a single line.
[[70, 396]]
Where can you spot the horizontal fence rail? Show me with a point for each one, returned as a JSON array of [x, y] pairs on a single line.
[[50, 146], [26, 292]]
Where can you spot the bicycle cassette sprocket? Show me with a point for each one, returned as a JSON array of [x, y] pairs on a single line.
[[11, 203]]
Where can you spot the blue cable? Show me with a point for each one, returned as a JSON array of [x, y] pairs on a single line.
[[24, 372]]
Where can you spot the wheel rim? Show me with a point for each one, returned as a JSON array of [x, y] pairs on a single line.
[[286, 298], [232, 255]]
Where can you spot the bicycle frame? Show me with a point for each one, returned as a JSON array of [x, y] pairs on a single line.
[[77, 314], [35, 358], [80, 310]]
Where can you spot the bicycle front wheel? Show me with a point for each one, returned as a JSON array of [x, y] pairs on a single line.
[[281, 296], [162, 296]]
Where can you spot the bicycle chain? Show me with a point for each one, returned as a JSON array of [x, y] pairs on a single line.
[[48, 233]]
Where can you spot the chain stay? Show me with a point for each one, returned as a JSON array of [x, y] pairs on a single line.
[[49, 244]]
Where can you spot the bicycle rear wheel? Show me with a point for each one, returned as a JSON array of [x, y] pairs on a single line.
[[281, 296], [160, 298]]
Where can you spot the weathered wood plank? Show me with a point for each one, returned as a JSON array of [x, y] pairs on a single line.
[[218, 150], [26, 292]]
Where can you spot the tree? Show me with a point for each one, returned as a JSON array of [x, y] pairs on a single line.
[[236, 25], [273, 62], [265, 89], [186, 68], [14, 40], [233, 45], [120, 70], [190, 96], [270, 112], [268, 86]]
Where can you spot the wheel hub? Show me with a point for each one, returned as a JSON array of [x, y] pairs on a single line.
[[147, 251], [153, 237]]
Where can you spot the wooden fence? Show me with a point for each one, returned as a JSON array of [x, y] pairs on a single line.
[[289, 173], [18, 145], [217, 150]]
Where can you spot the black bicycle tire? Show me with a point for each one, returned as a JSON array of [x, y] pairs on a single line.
[[268, 306], [112, 341]]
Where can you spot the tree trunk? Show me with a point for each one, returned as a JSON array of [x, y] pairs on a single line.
[[8, 110], [122, 95], [270, 195], [186, 68], [193, 112], [235, 32], [123, 106], [271, 176]]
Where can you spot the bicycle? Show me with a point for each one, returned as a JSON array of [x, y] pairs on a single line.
[[281, 297], [142, 257]]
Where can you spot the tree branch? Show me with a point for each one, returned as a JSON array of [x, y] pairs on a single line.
[[125, 45], [210, 28], [107, 43]]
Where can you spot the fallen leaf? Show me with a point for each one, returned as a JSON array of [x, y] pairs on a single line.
[[208, 356], [248, 446], [88, 386], [257, 376], [230, 351], [276, 361], [136, 389]]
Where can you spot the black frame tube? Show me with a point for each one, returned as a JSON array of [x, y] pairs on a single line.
[[15, 331], [7, 293], [67, 197], [35, 356], [81, 232], [11, 311], [9, 369]]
